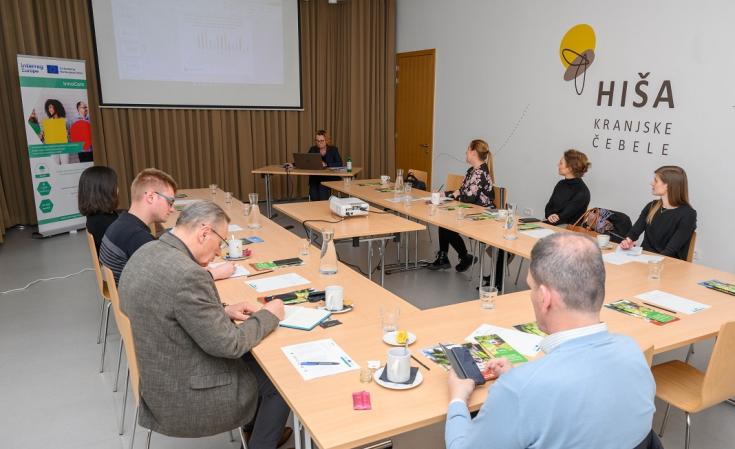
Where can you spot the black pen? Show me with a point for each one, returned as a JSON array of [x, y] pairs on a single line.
[[658, 307], [419, 362]]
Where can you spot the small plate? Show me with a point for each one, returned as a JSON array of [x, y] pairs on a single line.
[[608, 246], [233, 259], [390, 338], [416, 382], [345, 309]]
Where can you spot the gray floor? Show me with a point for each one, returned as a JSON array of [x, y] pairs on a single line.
[[53, 396]]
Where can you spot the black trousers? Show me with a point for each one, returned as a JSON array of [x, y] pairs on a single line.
[[272, 413], [447, 237]]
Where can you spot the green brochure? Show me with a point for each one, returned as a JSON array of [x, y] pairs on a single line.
[[631, 308], [497, 347]]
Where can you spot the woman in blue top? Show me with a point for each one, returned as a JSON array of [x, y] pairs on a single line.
[[330, 158]]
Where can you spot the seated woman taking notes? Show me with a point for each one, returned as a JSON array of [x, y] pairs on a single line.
[[669, 222], [571, 196], [330, 158], [477, 188]]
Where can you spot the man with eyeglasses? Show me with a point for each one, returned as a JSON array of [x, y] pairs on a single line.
[[152, 201], [197, 376]]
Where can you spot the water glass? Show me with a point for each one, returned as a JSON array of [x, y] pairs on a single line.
[[304, 245], [487, 297], [347, 180], [407, 200], [213, 189], [460, 213], [228, 198], [389, 318], [407, 188], [432, 209], [655, 268]]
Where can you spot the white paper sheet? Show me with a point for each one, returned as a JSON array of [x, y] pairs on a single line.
[[526, 344], [326, 350], [537, 233], [672, 302], [233, 228], [239, 269], [616, 258], [277, 282], [398, 199], [635, 254]]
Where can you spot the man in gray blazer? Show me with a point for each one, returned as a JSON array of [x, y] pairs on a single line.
[[197, 376]]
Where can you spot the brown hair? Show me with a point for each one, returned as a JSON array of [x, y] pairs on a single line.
[[483, 151], [97, 192], [150, 177], [323, 132], [677, 188], [577, 162]]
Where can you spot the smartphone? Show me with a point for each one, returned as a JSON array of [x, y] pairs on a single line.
[[288, 262]]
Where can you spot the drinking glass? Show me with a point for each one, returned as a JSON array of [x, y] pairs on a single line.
[[487, 297]]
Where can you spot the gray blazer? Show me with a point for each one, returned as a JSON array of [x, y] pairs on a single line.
[[193, 381]]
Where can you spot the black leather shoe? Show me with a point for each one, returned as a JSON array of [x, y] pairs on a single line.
[[441, 262], [465, 262]]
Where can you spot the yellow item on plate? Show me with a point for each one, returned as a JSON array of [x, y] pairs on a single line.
[[401, 337]]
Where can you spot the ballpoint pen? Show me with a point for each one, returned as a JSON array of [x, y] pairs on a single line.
[[317, 363]]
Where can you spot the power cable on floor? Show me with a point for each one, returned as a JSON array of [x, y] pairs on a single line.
[[43, 280]]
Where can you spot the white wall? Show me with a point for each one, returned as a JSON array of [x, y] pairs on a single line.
[[496, 60]]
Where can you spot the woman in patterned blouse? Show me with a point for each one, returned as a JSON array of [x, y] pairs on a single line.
[[477, 188]]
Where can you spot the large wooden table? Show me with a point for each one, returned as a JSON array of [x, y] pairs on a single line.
[[376, 225], [324, 405], [270, 170]]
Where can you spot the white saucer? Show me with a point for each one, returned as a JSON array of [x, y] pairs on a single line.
[[390, 338], [345, 309], [233, 259], [416, 382]]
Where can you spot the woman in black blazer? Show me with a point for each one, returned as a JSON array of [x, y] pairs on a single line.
[[330, 158]]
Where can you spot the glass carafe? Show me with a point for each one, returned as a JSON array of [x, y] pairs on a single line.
[[254, 212], [328, 261], [399, 182], [510, 229]]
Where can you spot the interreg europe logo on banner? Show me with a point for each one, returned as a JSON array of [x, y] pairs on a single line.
[[52, 69], [577, 53]]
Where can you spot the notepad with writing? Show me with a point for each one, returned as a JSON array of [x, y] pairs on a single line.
[[304, 318]]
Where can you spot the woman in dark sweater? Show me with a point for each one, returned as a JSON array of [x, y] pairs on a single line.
[[477, 188], [97, 200], [669, 222], [571, 196], [330, 158]]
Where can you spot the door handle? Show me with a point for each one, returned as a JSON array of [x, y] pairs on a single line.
[[424, 145]]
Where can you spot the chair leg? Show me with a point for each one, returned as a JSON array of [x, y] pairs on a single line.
[[104, 338], [666, 418], [242, 438], [121, 430], [688, 434], [102, 318], [232, 437], [135, 424], [148, 439], [119, 359], [689, 353]]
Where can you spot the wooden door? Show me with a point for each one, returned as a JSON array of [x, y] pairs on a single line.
[[415, 110]]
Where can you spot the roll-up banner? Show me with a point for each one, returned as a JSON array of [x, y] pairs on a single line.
[[59, 136]]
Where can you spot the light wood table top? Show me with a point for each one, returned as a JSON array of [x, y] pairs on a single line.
[[324, 405], [280, 170], [374, 223]]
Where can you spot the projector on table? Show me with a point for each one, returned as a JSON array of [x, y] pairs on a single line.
[[348, 207]]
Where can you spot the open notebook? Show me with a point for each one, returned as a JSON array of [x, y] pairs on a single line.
[[304, 318]]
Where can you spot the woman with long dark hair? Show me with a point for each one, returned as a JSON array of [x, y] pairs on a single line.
[[97, 200]]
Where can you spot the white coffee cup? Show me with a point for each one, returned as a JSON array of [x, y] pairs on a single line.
[[334, 298], [399, 365], [384, 179], [603, 240], [436, 198], [234, 248], [502, 214]]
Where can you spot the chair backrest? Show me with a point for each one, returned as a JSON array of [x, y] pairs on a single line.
[[690, 253], [501, 197], [420, 175], [126, 332], [719, 380], [101, 284], [453, 183]]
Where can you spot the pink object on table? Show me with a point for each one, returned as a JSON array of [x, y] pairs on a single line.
[[361, 400]]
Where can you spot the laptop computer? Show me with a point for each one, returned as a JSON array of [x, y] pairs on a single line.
[[308, 161]]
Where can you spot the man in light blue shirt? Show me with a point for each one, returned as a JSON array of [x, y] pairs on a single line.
[[591, 389]]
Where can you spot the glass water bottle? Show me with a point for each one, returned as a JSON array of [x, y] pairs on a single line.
[[510, 230], [328, 261], [254, 212], [399, 181]]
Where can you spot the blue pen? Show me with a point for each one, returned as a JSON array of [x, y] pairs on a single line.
[[346, 361], [318, 363]]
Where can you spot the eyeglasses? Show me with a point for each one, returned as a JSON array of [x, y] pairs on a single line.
[[169, 199], [220, 237]]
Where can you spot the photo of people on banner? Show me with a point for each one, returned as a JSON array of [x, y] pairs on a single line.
[[58, 124]]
